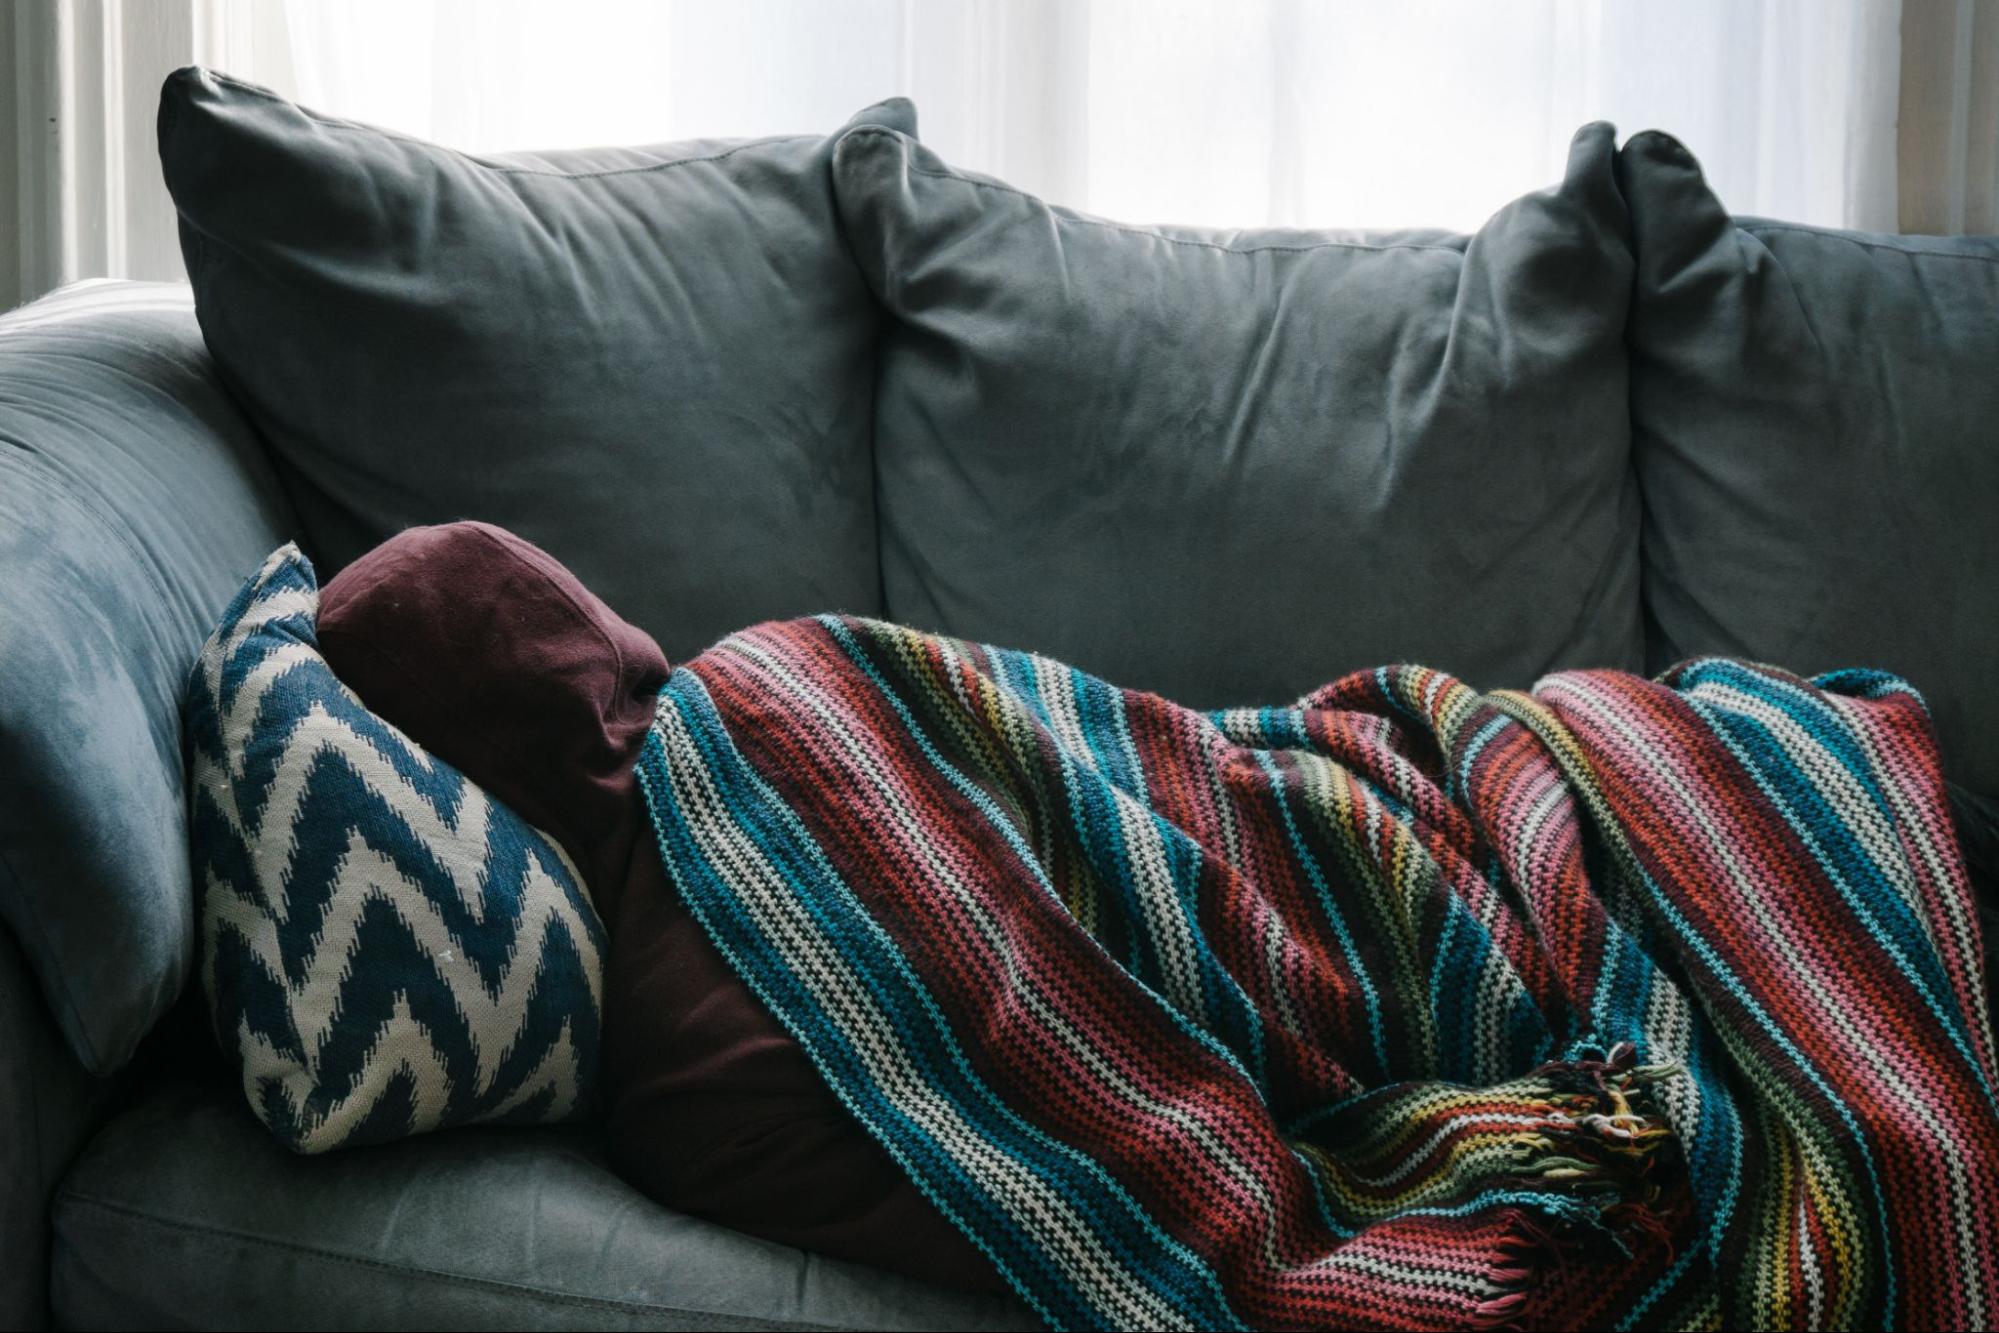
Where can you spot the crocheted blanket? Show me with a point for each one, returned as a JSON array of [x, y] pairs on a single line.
[[1620, 1004]]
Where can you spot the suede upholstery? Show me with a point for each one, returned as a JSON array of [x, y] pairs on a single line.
[[1814, 414], [478, 1228], [1230, 467], [49, 1107], [648, 361], [134, 498]]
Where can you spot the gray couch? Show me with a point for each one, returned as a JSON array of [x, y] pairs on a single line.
[[1616, 427]]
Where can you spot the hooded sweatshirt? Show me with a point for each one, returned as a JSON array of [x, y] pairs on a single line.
[[485, 650]]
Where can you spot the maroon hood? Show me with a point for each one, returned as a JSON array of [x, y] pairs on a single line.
[[494, 657]]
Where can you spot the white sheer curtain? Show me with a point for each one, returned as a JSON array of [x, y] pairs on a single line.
[[1228, 112], [1223, 112], [1947, 145]]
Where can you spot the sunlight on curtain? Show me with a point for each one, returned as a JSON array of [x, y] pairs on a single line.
[[1222, 112]]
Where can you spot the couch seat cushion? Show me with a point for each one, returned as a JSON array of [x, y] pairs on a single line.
[[1232, 466], [184, 1213]]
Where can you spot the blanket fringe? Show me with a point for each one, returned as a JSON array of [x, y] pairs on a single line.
[[1600, 1150]]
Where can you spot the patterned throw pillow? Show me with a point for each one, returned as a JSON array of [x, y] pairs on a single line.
[[385, 949]]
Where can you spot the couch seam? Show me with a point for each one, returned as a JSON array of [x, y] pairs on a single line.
[[1128, 229], [1757, 229], [38, 1162], [334, 122], [72, 1196], [77, 1029]]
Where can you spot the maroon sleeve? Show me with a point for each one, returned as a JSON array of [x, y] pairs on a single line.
[[490, 654]]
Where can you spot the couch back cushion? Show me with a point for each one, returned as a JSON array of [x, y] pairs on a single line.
[[1816, 419], [656, 363], [1230, 466]]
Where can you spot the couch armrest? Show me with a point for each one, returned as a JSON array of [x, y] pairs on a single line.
[[134, 499]]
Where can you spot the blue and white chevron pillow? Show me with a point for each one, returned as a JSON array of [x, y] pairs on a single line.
[[385, 949]]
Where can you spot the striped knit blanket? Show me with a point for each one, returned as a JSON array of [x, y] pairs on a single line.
[[1620, 1004]]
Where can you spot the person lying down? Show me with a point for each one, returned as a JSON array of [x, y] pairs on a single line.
[[1407, 1006]]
